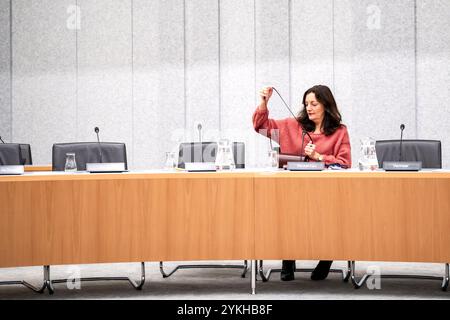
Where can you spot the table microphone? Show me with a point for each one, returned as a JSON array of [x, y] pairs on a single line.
[[402, 127], [1, 140], [96, 129]]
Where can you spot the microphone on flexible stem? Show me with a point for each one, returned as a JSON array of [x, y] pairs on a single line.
[[1, 140], [402, 127], [304, 132], [96, 129], [302, 156], [199, 128]]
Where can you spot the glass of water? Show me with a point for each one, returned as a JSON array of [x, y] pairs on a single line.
[[368, 160], [170, 163], [71, 164], [272, 159]]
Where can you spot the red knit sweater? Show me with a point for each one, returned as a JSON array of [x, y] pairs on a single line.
[[335, 148]]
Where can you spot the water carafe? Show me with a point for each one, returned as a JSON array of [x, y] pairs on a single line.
[[71, 164], [224, 158], [368, 160]]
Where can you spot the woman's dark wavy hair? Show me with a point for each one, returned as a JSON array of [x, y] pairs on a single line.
[[332, 116]]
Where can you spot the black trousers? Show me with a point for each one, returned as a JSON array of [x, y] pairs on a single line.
[[288, 266]]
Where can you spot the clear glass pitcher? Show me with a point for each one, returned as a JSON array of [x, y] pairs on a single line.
[[368, 160], [225, 158], [71, 164]]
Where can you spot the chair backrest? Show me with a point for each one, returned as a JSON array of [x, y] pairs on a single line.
[[25, 153], [239, 154], [427, 151], [206, 152], [10, 154], [88, 152]]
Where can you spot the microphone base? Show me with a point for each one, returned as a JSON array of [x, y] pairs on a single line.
[[11, 170], [107, 167], [305, 166], [402, 165], [200, 167]]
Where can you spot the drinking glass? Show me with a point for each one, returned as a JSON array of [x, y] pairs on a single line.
[[368, 158], [71, 164], [170, 163], [272, 159]]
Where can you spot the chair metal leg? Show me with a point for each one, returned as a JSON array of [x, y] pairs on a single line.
[[266, 276], [45, 283], [204, 266], [134, 284], [356, 283], [359, 283], [444, 285], [253, 276], [25, 284]]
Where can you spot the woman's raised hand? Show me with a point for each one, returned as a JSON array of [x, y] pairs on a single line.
[[265, 94]]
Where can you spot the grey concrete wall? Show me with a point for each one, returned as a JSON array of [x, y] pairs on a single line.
[[158, 80], [433, 73], [5, 71], [375, 68], [44, 75], [104, 68], [147, 72]]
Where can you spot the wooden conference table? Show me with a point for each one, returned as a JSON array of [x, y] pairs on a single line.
[[55, 218]]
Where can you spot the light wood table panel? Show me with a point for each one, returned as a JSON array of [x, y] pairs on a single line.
[[76, 219], [375, 216], [50, 219], [34, 168]]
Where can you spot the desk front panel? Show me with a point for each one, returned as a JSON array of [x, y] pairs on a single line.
[[353, 216], [75, 219]]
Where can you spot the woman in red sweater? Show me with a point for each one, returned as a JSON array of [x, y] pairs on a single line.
[[321, 118]]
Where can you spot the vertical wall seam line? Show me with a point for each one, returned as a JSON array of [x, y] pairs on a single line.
[[254, 51], [416, 104], [219, 68], [333, 43], [78, 19], [11, 70], [290, 50], [132, 84], [184, 67]]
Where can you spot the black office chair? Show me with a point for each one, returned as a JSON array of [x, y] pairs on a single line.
[[87, 152], [206, 152], [427, 151], [10, 154], [25, 154]]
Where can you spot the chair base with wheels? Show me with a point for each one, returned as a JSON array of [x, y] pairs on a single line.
[[266, 276], [358, 283], [204, 266]]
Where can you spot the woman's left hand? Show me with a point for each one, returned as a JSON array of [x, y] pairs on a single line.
[[310, 151]]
